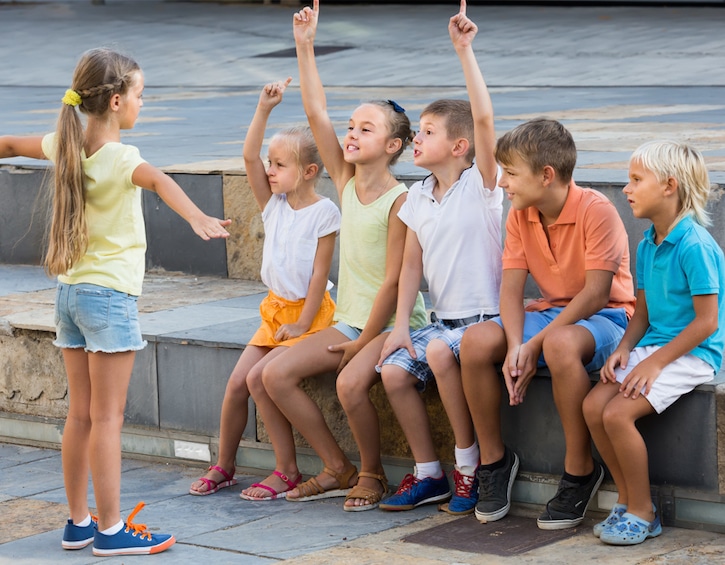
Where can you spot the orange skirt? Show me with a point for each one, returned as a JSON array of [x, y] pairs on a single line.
[[277, 311]]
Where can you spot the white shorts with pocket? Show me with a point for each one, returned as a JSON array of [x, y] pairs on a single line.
[[678, 378]]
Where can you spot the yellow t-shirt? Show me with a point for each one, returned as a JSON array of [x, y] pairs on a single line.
[[116, 254], [363, 250]]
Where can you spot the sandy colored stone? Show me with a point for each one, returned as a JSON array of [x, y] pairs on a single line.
[[23, 517], [244, 246], [32, 378]]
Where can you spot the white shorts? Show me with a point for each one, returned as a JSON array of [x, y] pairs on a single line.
[[678, 378]]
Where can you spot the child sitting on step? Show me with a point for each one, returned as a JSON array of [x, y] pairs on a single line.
[[675, 338]]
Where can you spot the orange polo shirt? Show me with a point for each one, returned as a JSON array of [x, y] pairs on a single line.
[[588, 235]]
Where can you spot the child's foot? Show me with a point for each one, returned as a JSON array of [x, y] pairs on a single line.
[[216, 478], [327, 484], [367, 493], [631, 530], [78, 537], [614, 516], [465, 495], [276, 485], [131, 539], [413, 492]]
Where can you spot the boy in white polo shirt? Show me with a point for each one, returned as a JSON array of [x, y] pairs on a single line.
[[454, 240]]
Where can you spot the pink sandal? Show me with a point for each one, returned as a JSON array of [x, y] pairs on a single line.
[[274, 494], [213, 486]]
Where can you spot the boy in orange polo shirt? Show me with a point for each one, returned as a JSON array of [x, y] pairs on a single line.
[[573, 243]]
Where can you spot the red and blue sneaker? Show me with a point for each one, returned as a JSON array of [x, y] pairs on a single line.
[[414, 492]]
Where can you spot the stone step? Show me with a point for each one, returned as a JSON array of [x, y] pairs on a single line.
[[197, 326]]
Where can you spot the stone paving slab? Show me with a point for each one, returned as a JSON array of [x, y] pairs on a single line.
[[616, 76]]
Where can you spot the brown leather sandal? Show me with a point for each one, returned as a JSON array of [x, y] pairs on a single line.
[[369, 495], [312, 490]]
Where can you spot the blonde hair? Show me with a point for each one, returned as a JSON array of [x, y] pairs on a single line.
[[99, 74], [300, 142], [686, 165]]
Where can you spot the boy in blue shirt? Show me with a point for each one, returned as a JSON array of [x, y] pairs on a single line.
[[675, 339]]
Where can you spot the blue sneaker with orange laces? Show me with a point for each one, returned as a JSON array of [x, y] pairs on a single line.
[[132, 539], [78, 537], [414, 492]]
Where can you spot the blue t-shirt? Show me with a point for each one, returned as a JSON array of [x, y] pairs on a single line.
[[687, 263]]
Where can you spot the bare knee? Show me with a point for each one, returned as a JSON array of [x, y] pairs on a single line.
[[397, 380], [566, 347], [237, 385], [482, 345], [615, 421], [351, 391], [592, 410], [440, 357]]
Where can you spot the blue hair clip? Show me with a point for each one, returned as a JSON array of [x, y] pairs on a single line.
[[397, 107]]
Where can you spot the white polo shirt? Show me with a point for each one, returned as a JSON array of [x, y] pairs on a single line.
[[461, 242]]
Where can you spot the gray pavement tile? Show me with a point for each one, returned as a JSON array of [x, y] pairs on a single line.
[[12, 455], [231, 333], [310, 526], [191, 317], [32, 478], [24, 278], [42, 549]]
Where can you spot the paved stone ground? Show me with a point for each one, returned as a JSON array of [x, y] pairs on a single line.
[[616, 76], [222, 529]]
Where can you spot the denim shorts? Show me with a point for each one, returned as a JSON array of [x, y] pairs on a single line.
[[606, 326], [97, 319]]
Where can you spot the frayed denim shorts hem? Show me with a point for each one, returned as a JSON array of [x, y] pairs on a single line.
[[97, 319]]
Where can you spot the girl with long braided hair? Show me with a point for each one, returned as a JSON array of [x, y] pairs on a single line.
[[97, 246]]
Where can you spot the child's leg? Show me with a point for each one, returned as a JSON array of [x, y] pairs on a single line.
[[110, 374], [286, 399], [566, 350], [447, 373], [76, 433], [410, 410], [353, 390], [483, 346], [619, 418], [593, 408], [234, 415]]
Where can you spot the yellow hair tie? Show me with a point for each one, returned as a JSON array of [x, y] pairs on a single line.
[[71, 98]]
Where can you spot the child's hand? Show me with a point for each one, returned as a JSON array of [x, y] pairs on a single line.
[[640, 379], [616, 359], [348, 350], [519, 368], [289, 331], [461, 29], [208, 228], [397, 339], [271, 94], [304, 23]]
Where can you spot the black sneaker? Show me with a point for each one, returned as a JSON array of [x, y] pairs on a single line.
[[494, 489], [569, 505]]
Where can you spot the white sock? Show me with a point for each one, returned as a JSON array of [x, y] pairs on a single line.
[[468, 457], [113, 529], [430, 469], [85, 522]]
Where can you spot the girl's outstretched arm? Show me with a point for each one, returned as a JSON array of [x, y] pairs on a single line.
[[149, 177], [270, 96], [21, 146], [313, 97]]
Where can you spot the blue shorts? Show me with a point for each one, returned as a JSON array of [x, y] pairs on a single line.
[[419, 368], [96, 318], [606, 326]]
